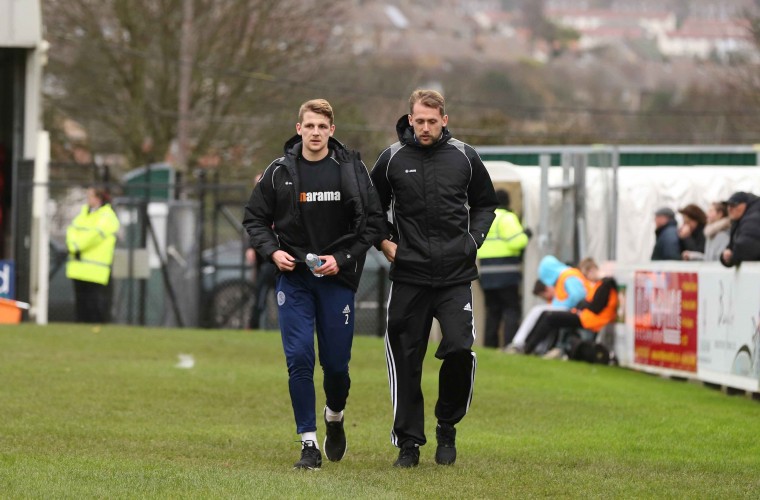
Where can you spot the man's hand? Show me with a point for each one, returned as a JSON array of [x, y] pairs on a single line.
[[250, 256], [329, 267], [389, 250], [728, 255], [283, 260]]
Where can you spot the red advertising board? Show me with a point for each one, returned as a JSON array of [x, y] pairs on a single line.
[[666, 320]]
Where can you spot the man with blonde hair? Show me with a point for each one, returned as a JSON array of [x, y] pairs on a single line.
[[317, 198], [443, 203]]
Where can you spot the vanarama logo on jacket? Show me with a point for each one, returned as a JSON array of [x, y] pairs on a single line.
[[319, 196]]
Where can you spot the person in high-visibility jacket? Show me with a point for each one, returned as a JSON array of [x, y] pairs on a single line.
[[91, 240], [562, 286], [593, 313], [500, 274], [570, 286]]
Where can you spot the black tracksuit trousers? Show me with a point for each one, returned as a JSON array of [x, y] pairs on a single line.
[[411, 310]]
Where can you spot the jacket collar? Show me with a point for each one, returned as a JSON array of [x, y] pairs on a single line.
[[662, 228], [294, 145], [406, 133], [719, 225]]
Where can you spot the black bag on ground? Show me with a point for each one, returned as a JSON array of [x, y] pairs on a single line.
[[590, 352]]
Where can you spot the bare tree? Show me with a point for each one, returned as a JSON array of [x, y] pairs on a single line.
[[115, 65]]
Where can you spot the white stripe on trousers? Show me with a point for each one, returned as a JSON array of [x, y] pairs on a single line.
[[391, 365], [472, 382], [474, 358]]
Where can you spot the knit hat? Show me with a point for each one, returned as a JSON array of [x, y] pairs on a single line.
[[665, 212]]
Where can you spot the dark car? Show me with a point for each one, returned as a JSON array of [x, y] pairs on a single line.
[[228, 288], [231, 295]]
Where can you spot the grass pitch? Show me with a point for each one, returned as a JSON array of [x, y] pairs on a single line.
[[106, 412]]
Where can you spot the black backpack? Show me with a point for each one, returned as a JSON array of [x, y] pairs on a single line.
[[590, 352]]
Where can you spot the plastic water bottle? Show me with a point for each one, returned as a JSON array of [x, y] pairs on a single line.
[[313, 260]]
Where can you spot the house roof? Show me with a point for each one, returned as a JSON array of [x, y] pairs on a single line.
[[712, 29]]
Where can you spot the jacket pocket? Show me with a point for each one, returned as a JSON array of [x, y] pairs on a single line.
[[471, 247]]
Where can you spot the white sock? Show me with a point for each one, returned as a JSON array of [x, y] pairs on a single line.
[[310, 436], [332, 416]]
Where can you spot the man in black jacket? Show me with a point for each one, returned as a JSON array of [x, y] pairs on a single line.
[[744, 212], [317, 198], [666, 245], [443, 203]]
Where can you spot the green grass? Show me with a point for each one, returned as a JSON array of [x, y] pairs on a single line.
[[106, 413]]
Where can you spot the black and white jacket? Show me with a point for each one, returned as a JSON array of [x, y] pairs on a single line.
[[273, 217], [442, 202]]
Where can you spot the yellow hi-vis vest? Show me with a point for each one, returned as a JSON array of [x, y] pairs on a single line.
[[505, 238], [93, 235]]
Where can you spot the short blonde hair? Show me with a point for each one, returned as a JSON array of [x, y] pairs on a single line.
[[319, 106], [587, 264], [429, 98]]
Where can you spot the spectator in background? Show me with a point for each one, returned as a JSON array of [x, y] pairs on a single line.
[[691, 234], [91, 241], [568, 282], [744, 244], [547, 294], [667, 245], [562, 286], [546, 330], [500, 275], [716, 232], [593, 313]]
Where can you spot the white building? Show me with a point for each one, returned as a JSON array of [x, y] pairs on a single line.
[[652, 23], [703, 39]]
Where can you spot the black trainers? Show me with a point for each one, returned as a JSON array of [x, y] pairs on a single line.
[[408, 457], [335, 440], [446, 453], [311, 457]]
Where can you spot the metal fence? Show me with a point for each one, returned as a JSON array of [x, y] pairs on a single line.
[[180, 252]]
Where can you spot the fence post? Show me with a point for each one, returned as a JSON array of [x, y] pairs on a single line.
[[201, 176]]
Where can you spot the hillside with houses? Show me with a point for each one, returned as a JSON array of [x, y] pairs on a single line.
[[502, 31]]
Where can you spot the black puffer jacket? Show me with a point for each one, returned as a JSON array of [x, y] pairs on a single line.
[[745, 235], [443, 203], [273, 217]]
